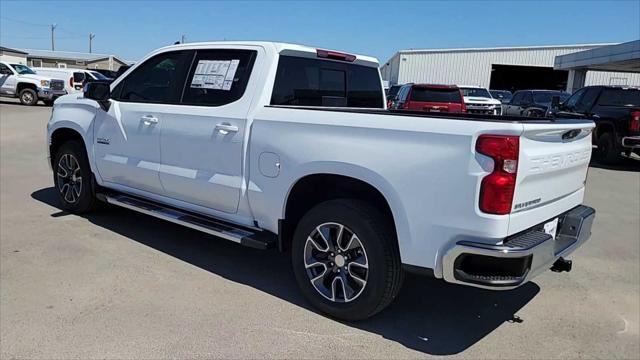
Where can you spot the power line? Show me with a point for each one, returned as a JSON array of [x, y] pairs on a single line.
[[23, 22]]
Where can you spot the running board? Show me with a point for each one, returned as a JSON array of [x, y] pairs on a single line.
[[248, 237]]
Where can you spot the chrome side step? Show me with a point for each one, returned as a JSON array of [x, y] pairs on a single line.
[[247, 237]]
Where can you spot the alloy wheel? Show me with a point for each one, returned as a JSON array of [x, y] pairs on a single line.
[[69, 178], [336, 262]]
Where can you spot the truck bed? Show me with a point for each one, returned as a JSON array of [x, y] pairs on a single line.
[[422, 114]]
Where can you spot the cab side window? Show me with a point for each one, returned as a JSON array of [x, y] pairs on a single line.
[[4, 70], [527, 98], [572, 102], [517, 98], [587, 101], [218, 77], [158, 80]]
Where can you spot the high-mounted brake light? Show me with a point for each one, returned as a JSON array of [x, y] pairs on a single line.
[[634, 124], [497, 189], [334, 55]]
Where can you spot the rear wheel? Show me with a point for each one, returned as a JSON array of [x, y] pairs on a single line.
[[48, 102], [28, 97], [607, 151], [72, 178], [346, 260]]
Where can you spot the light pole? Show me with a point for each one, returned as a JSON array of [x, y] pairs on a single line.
[[91, 36], [53, 44]]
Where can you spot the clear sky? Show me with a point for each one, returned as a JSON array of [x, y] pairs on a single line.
[[131, 29]]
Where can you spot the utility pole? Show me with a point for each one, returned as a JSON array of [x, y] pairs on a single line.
[[183, 39], [53, 44], [91, 36]]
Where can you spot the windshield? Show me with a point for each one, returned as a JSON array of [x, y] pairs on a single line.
[[98, 76], [477, 92], [501, 95], [544, 97], [22, 69]]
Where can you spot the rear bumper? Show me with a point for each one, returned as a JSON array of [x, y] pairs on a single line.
[[518, 258], [631, 142]]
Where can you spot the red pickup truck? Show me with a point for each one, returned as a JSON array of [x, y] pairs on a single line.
[[430, 98]]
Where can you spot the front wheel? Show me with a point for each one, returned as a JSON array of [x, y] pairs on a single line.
[[72, 178], [28, 97], [345, 259]]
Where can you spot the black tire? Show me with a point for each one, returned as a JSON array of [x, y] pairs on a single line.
[[28, 97], [375, 233], [48, 102], [607, 151], [70, 165]]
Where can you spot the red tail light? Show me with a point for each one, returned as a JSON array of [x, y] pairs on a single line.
[[496, 191], [634, 124], [71, 81], [334, 55]]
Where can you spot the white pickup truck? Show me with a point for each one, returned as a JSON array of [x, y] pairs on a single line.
[[279, 145], [17, 80]]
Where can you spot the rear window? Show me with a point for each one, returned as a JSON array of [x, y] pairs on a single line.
[[313, 82], [436, 95], [620, 97], [78, 77], [543, 97]]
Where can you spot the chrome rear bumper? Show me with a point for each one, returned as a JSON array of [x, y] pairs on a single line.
[[518, 258]]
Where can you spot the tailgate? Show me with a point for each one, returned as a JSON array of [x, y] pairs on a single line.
[[552, 169]]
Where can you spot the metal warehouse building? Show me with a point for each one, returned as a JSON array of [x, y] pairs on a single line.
[[501, 68]]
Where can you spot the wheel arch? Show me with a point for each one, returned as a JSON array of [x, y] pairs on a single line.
[[25, 85], [312, 188]]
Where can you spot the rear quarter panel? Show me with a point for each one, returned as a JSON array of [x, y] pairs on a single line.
[[426, 168]]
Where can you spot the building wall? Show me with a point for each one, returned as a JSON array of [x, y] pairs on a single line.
[[612, 78], [473, 66], [468, 67], [105, 64], [53, 63], [12, 57]]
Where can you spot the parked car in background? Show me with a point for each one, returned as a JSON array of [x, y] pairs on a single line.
[[503, 95], [430, 98], [532, 103], [107, 73], [391, 94], [74, 78], [17, 80], [616, 112], [281, 145], [478, 100]]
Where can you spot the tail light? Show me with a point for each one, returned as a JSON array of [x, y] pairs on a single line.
[[71, 81], [497, 189], [334, 55], [634, 124]]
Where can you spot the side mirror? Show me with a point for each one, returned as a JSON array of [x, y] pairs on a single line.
[[95, 90], [555, 102], [99, 91]]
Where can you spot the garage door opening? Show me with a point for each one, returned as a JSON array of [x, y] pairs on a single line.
[[514, 77]]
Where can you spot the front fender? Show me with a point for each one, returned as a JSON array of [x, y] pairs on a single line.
[[78, 116]]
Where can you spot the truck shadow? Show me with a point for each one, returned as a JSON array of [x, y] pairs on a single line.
[[631, 164], [428, 315]]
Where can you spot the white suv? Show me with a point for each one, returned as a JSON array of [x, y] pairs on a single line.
[[478, 100], [17, 80]]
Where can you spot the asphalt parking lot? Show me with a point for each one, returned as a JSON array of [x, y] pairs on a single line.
[[117, 284]]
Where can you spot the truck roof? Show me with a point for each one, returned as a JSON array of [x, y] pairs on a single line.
[[277, 46]]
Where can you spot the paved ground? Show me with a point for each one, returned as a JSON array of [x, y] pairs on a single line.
[[121, 285]]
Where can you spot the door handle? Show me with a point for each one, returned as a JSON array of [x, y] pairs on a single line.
[[226, 128], [149, 119]]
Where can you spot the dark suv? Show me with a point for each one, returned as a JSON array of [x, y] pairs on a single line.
[[532, 103], [616, 112]]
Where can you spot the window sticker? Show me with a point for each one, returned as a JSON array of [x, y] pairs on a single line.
[[215, 74]]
